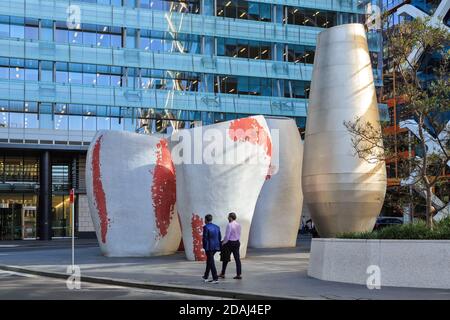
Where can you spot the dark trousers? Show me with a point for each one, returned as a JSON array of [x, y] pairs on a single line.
[[210, 265], [233, 247]]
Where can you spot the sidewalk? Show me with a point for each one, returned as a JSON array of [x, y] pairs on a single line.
[[277, 273], [63, 243]]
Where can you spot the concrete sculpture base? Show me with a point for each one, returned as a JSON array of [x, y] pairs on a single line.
[[278, 211], [211, 180], [343, 192], [130, 182], [401, 263]]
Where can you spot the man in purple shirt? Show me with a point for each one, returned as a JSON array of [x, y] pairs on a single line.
[[231, 244]]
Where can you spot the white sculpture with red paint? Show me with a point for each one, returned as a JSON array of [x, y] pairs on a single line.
[[131, 187], [278, 212], [221, 168]]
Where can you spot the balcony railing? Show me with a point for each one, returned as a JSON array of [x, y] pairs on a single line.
[[351, 6], [41, 50], [150, 98], [158, 20]]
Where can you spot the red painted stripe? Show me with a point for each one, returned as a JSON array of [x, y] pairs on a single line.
[[249, 130], [197, 240], [163, 188], [99, 193]]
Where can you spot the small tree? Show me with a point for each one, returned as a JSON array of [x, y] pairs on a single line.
[[425, 102]]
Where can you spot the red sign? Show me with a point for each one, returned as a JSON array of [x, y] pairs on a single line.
[[72, 191]]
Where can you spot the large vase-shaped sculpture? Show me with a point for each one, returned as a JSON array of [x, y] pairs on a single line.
[[221, 168], [278, 211], [343, 192], [131, 188]]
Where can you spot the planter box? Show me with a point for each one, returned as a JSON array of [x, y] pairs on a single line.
[[402, 263]]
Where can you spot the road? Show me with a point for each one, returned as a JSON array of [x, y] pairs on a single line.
[[19, 286], [277, 273]]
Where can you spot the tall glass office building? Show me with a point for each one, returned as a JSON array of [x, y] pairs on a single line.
[[70, 68]]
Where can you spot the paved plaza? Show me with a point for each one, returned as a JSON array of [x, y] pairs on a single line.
[[271, 273]]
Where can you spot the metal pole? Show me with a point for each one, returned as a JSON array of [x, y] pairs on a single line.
[[72, 196], [73, 235]]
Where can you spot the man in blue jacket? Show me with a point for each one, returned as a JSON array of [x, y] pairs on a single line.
[[211, 244]]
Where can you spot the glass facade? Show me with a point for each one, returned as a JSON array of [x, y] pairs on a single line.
[[121, 75], [19, 184], [61, 184], [17, 215], [169, 63]]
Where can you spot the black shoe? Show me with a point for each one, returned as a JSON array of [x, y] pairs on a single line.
[[205, 279], [213, 281], [238, 277], [222, 276]]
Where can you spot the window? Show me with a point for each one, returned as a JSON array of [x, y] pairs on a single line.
[[89, 110], [16, 120], [298, 89], [266, 87], [46, 33], [128, 114], [242, 85], [89, 74], [4, 68], [131, 38], [17, 28], [4, 119], [46, 116], [75, 122], [75, 73], [116, 37], [131, 77], [103, 77], [116, 76], [145, 40], [300, 54], [89, 123], [89, 119], [75, 117], [16, 70], [61, 220], [253, 11], [103, 123], [103, 37], [4, 26], [62, 75], [13, 168], [265, 12], [31, 29], [244, 49], [116, 123], [31, 70], [89, 34], [61, 122], [129, 3], [61, 33], [240, 9], [311, 17], [47, 72], [75, 37], [61, 108], [31, 115]]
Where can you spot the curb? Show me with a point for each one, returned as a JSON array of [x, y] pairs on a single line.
[[154, 286]]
